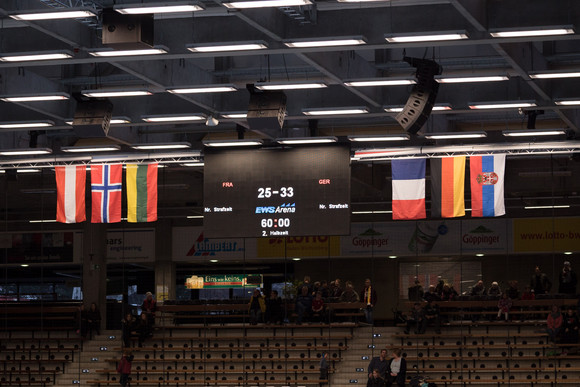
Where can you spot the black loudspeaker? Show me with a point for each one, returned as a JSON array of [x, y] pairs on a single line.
[[266, 110], [127, 32], [422, 98], [93, 118]]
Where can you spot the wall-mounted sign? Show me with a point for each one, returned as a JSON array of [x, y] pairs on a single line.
[[223, 281]]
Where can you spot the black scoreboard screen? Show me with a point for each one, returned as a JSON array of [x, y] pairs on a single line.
[[277, 192]]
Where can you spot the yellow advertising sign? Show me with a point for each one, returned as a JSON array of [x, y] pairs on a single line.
[[539, 235], [290, 247]]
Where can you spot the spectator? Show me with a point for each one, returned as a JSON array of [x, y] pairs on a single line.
[[337, 290], [440, 285], [570, 325], [417, 318], [324, 289], [128, 329], [375, 379], [527, 295], [303, 304], [318, 307], [124, 367], [494, 290], [432, 294], [369, 297], [306, 282], [349, 294], [504, 304], [149, 306], [512, 291], [256, 307], [396, 370], [316, 288], [478, 289], [142, 328], [448, 293], [274, 313], [432, 316], [81, 320], [415, 292], [554, 322], [324, 366], [567, 280], [540, 282], [94, 320], [379, 363]]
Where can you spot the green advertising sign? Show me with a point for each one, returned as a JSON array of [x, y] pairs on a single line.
[[223, 281]]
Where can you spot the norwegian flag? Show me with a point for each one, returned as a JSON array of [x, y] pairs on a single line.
[[106, 188]]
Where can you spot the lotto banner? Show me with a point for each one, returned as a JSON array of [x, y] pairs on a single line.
[[546, 234]]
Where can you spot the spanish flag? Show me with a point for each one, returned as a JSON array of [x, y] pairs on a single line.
[[141, 193], [448, 187]]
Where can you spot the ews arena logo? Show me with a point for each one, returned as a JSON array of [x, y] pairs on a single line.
[[285, 208]]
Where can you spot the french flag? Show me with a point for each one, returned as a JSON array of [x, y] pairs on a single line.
[[408, 188], [70, 193], [487, 185], [106, 189]]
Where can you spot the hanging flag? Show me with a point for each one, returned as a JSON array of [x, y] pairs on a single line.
[[141, 192], [106, 187], [408, 189], [70, 193], [487, 180], [448, 187]]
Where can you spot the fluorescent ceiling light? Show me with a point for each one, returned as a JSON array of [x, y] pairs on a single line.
[[28, 170], [25, 151], [381, 82], [95, 148], [306, 140], [568, 102], [228, 143], [501, 105], [333, 42], [290, 86], [529, 33], [198, 164], [450, 135], [26, 57], [360, 1], [169, 145], [204, 89], [114, 93], [42, 221], [36, 98], [235, 115], [25, 264], [371, 212], [68, 14], [114, 121], [111, 53], [488, 78], [567, 253], [266, 4], [296, 259], [195, 217], [29, 124], [392, 256], [438, 108], [384, 137], [398, 109], [545, 207], [166, 118], [425, 38], [141, 9], [533, 132], [554, 75], [480, 255], [227, 46], [335, 111]]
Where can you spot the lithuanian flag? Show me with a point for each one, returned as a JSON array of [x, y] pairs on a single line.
[[141, 193], [448, 187]]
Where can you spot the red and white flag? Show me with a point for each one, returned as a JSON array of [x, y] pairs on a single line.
[[106, 188], [70, 193], [408, 188]]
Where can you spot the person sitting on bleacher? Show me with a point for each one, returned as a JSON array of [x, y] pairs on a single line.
[[432, 316], [143, 329], [396, 369], [478, 289], [128, 329], [512, 291], [336, 288], [504, 305], [94, 320], [149, 306], [494, 290], [570, 326], [448, 293], [274, 314], [317, 308], [256, 307], [349, 295], [303, 304], [379, 363], [432, 295], [417, 318], [376, 380], [554, 322]]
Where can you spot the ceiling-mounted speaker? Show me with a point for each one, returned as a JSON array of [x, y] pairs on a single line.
[[93, 118], [127, 32], [420, 103], [266, 110]]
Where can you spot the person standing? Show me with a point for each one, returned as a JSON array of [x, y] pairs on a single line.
[[396, 370], [303, 304], [256, 307], [369, 297], [128, 329], [149, 306], [94, 320], [415, 292], [378, 363], [324, 366], [274, 314], [540, 282], [567, 280], [124, 367]]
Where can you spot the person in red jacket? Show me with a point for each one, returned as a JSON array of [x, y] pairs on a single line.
[[124, 367], [554, 323], [149, 307]]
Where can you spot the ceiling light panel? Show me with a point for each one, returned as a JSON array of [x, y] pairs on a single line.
[[381, 82], [232, 143], [307, 140], [86, 149], [501, 105], [28, 124], [266, 4], [142, 9], [154, 146], [235, 115], [326, 42], [175, 118], [227, 46], [336, 111], [487, 78], [555, 75], [522, 33], [436, 37], [379, 138], [114, 93], [455, 135], [60, 14], [31, 56], [113, 53], [204, 89], [289, 86], [533, 132], [36, 97], [25, 151]]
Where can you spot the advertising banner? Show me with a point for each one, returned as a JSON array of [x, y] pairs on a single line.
[[36, 247], [546, 234], [131, 245], [222, 281], [189, 243], [485, 235]]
